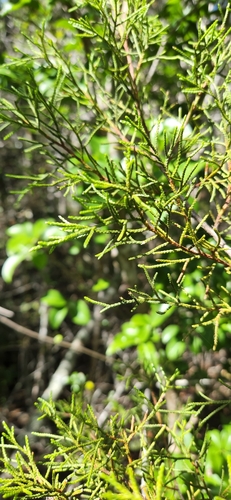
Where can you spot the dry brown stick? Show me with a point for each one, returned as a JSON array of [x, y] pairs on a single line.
[[77, 347], [6, 312]]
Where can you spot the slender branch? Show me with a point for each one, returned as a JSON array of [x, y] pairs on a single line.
[[6, 312], [75, 345], [156, 61], [210, 231], [43, 331], [191, 250]]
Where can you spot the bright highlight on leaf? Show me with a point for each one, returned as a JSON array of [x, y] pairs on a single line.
[[54, 298]]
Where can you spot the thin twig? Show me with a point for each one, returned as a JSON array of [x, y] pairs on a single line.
[[6, 312], [156, 61], [210, 231], [75, 345], [43, 331]]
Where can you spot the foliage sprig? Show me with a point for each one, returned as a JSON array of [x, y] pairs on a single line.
[[160, 181]]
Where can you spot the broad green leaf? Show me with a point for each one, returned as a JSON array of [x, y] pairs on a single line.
[[56, 316], [7, 72], [169, 332], [148, 356], [10, 265], [19, 244], [24, 235], [133, 333], [100, 285], [39, 227], [175, 349], [159, 314], [9, 7], [24, 228], [82, 313], [54, 298], [53, 232]]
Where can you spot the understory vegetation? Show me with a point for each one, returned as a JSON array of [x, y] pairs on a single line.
[[115, 249]]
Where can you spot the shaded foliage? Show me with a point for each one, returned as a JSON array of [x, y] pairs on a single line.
[[119, 112]]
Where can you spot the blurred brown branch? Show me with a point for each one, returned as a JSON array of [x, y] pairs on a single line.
[[74, 346]]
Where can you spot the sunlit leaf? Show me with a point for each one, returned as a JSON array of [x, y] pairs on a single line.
[[54, 298]]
